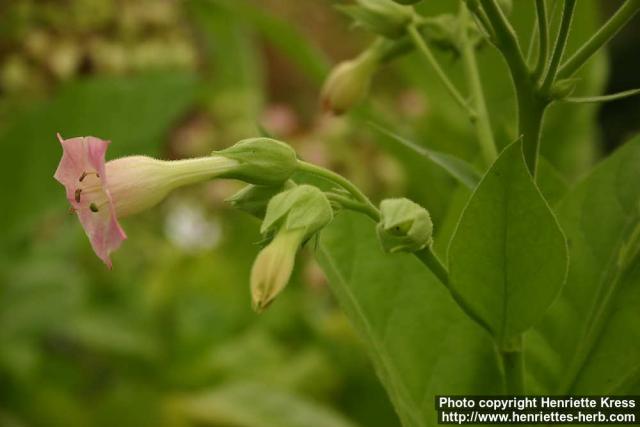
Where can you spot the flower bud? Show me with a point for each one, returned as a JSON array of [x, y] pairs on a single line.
[[253, 199], [349, 82], [382, 17], [292, 217], [302, 207], [262, 161], [272, 268], [407, 2], [404, 226]]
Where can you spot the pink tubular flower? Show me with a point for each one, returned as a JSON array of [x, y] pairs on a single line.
[[100, 192], [82, 172]]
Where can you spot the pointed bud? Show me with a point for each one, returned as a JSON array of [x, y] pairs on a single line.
[[349, 81], [253, 199], [272, 268], [262, 161], [404, 226], [382, 17], [292, 217]]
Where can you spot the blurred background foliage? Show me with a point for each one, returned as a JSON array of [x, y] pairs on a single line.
[[168, 336]]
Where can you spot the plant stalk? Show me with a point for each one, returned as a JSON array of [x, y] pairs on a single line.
[[602, 36], [422, 46], [482, 122], [561, 43], [543, 34]]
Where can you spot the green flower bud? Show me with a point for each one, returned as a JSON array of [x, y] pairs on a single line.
[[262, 161], [382, 17], [404, 226], [273, 266], [292, 216], [253, 199], [407, 2], [301, 207], [349, 81]]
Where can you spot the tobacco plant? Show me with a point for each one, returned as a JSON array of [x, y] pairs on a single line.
[[537, 289]]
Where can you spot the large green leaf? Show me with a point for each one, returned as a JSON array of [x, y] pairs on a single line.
[[420, 341], [254, 405], [507, 258], [589, 341]]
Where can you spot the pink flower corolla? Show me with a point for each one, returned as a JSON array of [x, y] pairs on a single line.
[[100, 192]]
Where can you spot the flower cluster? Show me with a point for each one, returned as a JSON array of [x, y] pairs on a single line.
[[102, 192]]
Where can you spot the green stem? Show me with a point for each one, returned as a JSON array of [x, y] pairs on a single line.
[[531, 105], [421, 45], [348, 203], [561, 43], [482, 122], [506, 40], [433, 263], [531, 109], [513, 365], [543, 34], [602, 36], [337, 179]]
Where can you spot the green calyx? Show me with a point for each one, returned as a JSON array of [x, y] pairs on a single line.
[[404, 226], [262, 161], [384, 17], [303, 207], [253, 199]]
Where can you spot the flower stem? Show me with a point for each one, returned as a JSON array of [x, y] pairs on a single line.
[[561, 43], [339, 180], [353, 205], [602, 36], [482, 122], [543, 34], [421, 45]]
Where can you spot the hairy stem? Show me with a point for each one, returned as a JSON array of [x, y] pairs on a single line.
[[422, 46], [561, 43], [602, 36], [482, 122]]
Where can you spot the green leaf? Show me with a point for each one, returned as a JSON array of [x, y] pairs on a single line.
[[507, 258], [420, 341], [589, 341], [459, 169], [254, 405]]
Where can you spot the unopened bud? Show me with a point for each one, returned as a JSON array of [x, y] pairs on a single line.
[[349, 82], [404, 226], [301, 207], [253, 199], [383, 17], [292, 217], [262, 161]]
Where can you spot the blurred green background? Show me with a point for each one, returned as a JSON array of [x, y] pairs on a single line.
[[168, 336]]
